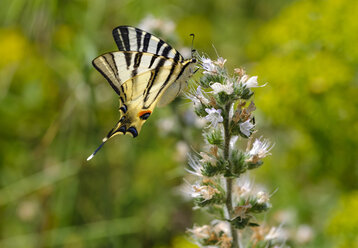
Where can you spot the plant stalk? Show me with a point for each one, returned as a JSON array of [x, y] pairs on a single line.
[[229, 180]]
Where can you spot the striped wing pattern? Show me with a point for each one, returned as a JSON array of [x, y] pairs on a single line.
[[133, 39], [141, 72], [125, 78]]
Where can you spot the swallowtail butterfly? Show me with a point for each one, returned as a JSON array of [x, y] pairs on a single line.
[[146, 72]]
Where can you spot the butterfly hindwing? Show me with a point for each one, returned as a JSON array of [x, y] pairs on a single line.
[[120, 75]]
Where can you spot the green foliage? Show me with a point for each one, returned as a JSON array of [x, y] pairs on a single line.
[[210, 170], [251, 166], [55, 108], [311, 66], [217, 198], [237, 160], [259, 207], [201, 202], [244, 93], [240, 223], [309, 56], [200, 110], [208, 79], [214, 137]]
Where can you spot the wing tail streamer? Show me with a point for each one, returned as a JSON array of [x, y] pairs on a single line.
[[120, 128]]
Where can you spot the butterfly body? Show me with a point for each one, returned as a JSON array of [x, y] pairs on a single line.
[[146, 72]]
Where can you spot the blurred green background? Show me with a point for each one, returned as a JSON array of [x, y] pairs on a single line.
[[55, 109]]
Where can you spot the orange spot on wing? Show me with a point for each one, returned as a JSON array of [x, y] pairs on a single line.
[[144, 112]]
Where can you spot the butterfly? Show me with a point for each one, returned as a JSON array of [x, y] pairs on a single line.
[[146, 72]]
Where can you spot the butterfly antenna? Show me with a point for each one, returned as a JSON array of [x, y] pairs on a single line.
[[100, 146], [192, 45]]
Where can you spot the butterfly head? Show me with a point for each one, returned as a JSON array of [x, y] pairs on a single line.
[[189, 69]]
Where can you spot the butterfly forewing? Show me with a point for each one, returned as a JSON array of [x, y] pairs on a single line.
[[133, 39]]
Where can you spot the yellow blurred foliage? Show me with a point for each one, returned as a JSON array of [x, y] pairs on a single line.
[[308, 54], [13, 46], [343, 226], [63, 37], [182, 242]]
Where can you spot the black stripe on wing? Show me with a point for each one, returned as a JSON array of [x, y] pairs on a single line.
[[167, 80], [147, 37], [159, 45], [128, 57], [170, 78], [146, 103], [134, 39], [106, 75], [137, 60], [152, 79], [125, 38], [139, 34]]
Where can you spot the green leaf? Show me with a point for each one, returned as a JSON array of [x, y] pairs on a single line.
[[240, 223], [215, 137]]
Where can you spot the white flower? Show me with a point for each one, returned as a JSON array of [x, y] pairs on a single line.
[[201, 232], [246, 127], [151, 24], [220, 62], [224, 240], [220, 226], [214, 116], [222, 231], [208, 66], [262, 197], [276, 233], [251, 82], [244, 187], [304, 234], [231, 112], [239, 71], [217, 233], [241, 210], [228, 88], [182, 151], [194, 99], [166, 125], [195, 166], [243, 79], [285, 216], [259, 150], [205, 158], [203, 191], [233, 141], [198, 98]]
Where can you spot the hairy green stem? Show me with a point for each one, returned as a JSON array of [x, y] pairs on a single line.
[[229, 181]]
